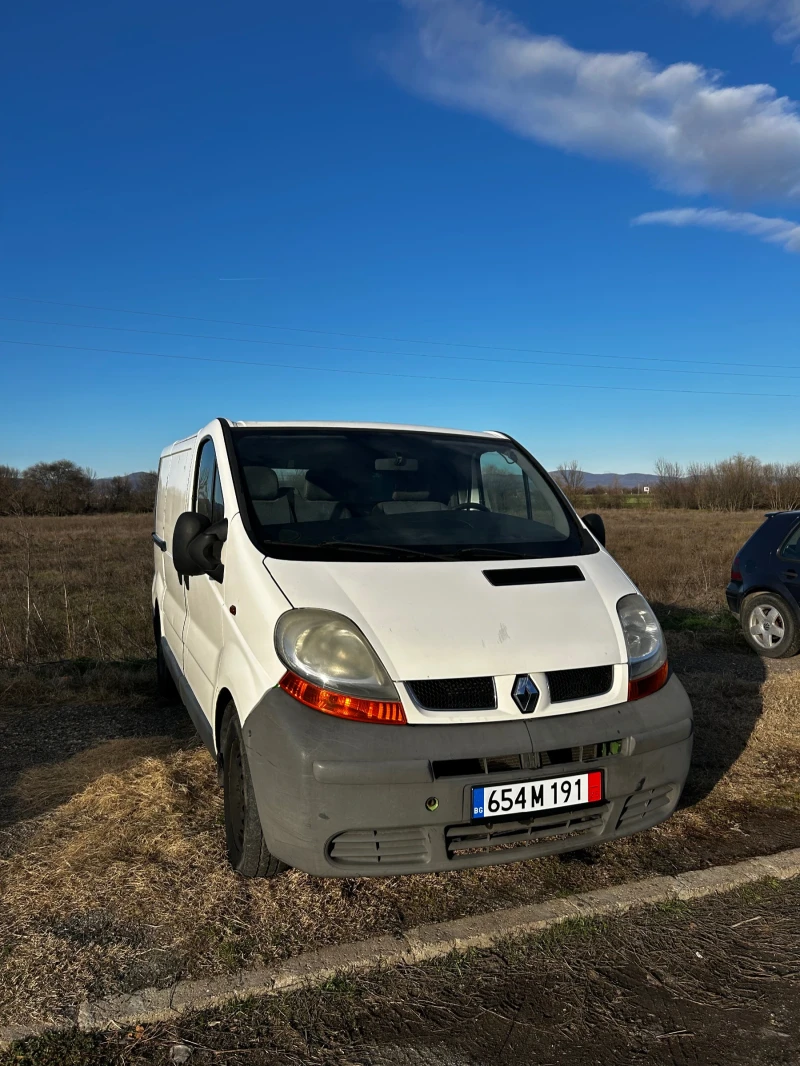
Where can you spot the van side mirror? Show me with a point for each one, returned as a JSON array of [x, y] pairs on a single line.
[[595, 524], [196, 545]]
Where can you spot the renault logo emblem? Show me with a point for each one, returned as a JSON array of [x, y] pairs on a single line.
[[525, 693]]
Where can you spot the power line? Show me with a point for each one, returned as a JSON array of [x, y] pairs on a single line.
[[396, 374], [368, 336], [402, 355]]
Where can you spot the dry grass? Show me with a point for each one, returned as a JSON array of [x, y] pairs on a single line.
[[767, 773], [125, 883], [73, 588], [78, 681], [76, 589], [41, 788], [681, 560], [122, 880]]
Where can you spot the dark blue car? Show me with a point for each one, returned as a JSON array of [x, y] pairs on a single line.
[[764, 590]]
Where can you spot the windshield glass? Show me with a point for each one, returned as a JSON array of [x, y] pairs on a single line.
[[381, 494]]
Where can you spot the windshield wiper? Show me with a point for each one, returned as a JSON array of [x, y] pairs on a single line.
[[354, 546], [485, 553], [399, 549]]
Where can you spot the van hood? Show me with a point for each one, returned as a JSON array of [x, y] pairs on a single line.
[[436, 620]]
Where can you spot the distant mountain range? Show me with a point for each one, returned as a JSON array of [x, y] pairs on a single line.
[[134, 479], [625, 481]]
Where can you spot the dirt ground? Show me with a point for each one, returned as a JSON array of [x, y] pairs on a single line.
[[112, 866], [715, 982]]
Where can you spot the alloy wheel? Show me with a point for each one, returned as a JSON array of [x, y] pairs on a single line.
[[766, 626]]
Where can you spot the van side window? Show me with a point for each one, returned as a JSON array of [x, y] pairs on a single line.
[[208, 494], [217, 502], [504, 485]]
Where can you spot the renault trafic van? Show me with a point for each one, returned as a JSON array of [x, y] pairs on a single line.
[[405, 650]]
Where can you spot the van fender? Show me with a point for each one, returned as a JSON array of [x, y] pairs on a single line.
[[240, 677]]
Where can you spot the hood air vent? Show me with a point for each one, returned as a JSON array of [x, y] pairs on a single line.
[[534, 575]]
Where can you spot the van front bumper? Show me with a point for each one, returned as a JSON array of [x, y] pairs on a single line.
[[345, 799]]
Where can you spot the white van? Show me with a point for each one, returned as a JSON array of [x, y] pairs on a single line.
[[405, 650]]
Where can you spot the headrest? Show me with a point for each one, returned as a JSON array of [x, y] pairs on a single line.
[[262, 481], [317, 485], [407, 494]]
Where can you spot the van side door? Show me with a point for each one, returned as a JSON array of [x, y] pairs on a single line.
[[205, 599], [175, 493]]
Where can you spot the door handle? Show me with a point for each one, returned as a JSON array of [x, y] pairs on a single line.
[[790, 575], [159, 543]]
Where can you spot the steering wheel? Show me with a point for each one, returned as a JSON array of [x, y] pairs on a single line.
[[470, 506]]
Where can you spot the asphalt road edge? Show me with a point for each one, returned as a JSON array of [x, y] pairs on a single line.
[[421, 944]]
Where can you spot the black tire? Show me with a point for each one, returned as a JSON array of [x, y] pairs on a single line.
[[166, 686], [763, 616], [247, 852]]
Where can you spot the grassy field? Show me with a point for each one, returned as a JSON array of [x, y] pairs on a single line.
[[112, 867], [75, 620], [78, 588]]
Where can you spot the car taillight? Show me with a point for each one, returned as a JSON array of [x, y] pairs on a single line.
[[736, 570]]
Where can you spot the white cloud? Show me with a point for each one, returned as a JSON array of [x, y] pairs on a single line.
[[784, 15], [679, 122], [773, 230]]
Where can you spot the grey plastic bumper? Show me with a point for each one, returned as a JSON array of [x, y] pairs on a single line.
[[316, 776]]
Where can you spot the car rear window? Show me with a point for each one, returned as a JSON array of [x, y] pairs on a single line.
[[791, 546]]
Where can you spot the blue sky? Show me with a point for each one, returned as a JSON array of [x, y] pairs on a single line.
[[428, 171]]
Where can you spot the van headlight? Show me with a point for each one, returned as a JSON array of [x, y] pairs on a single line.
[[332, 667], [648, 668]]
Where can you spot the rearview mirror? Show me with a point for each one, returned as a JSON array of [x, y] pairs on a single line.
[[595, 524], [399, 462], [196, 545]]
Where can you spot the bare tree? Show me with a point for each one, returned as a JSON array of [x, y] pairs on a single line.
[[782, 481], [10, 490], [571, 478], [670, 483]]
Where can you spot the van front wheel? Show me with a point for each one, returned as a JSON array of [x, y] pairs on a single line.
[[247, 852]]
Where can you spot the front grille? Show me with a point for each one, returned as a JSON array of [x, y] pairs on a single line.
[[580, 753], [380, 847], [642, 805], [503, 764], [500, 764], [455, 694], [482, 837], [579, 684]]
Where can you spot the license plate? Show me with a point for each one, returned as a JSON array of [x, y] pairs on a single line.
[[528, 797]]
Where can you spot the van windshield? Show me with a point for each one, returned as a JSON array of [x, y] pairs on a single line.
[[354, 494]]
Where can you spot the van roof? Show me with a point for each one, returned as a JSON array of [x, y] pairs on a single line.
[[309, 424], [186, 442]]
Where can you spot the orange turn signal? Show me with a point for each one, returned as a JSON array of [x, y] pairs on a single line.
[[352, 707], [646, 686]]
